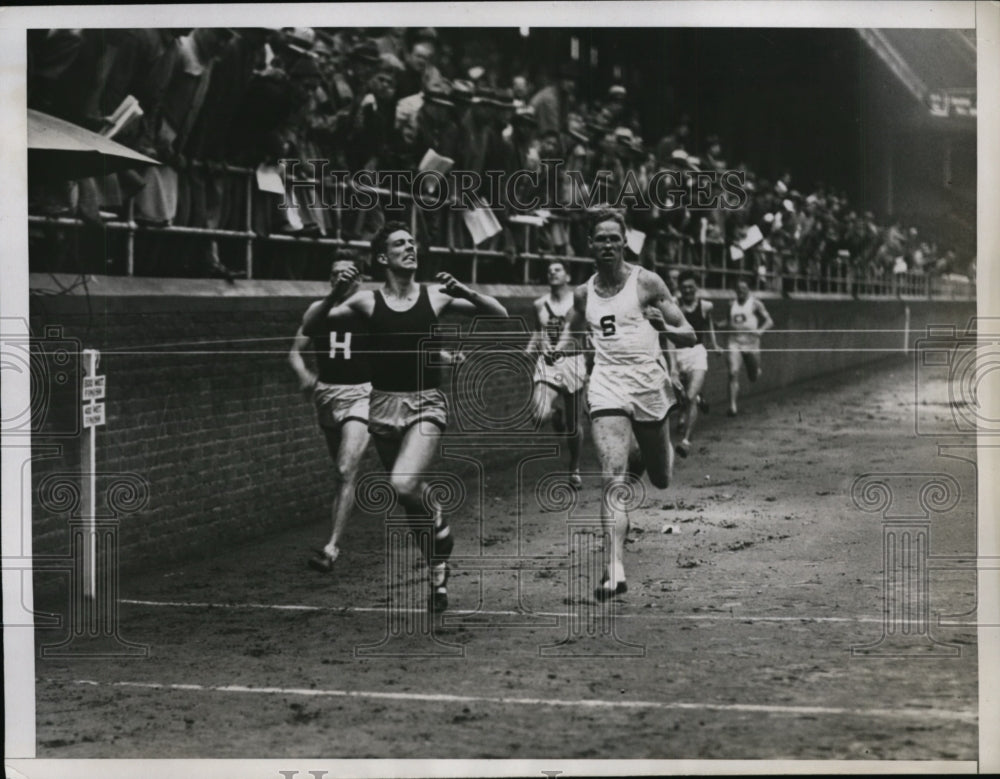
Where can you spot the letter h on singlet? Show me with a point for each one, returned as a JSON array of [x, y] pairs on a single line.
[[337, 344]]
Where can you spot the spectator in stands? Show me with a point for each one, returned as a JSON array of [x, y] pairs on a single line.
[[429, 122], [419, 69], [175, 193], [292, 45], [393, 42], [370, 132], [554, 102], [521, 88], [306, 134], [363, 62], [615, 108], [713, 154], [224, 195], [482, 134], [66, 73], [523, 139]]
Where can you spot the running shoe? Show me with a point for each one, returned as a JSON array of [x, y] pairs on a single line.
[[438, 601], [606, 593], [322, 560]]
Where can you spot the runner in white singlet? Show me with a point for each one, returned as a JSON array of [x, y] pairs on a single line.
[[748, 319], [558, 375], [628, 395]]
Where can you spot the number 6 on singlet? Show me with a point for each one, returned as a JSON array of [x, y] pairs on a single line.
[[608, 325]]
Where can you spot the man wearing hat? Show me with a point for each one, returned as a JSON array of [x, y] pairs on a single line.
[[425, 121], [616, 103], [363, 60], [521, 135], [299, 39]]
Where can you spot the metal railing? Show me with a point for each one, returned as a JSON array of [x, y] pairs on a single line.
[[525, 245]]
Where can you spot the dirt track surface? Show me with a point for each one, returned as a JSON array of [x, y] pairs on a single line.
[[734, 640]]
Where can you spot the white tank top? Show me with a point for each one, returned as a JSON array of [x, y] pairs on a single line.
[[743, 321], [624, 340]]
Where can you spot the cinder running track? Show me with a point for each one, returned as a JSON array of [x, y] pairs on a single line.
[[734, 640]]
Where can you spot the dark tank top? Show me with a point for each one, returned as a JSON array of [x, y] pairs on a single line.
[[697, 320], [405, 355], [342, 352]]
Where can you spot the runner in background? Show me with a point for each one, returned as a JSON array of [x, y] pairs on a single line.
[[339, 389], [558, 376], [692, 361], [748, 319]]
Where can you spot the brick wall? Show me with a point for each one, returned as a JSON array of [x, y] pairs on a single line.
[[202, 406]]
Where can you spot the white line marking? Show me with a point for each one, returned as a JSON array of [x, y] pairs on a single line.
[[916, 713], [472, 612]]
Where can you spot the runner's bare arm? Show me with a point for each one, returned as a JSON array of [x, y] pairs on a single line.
[[767, 323], [576, 323], [307, 379], [653, 292], [655, 317], [536, 342], [456, 296], [361, 302], [712, 340]]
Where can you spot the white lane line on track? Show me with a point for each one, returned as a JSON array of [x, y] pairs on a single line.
[[470, 612], [583, 703]]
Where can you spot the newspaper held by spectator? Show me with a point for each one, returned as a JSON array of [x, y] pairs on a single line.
[[434, 161], [753, 237], [635, 240], [269, 179], [125, 115], [481, 224]]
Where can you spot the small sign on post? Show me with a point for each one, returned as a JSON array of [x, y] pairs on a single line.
[[93, 387], [93, 415]]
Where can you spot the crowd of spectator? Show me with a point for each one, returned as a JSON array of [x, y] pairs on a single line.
[[378, 99]]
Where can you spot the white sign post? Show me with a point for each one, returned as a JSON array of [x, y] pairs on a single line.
[[93, 415]]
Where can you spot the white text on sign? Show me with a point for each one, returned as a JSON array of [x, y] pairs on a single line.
[[93, 414], [93, 387]]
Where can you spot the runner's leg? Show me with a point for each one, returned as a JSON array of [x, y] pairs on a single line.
[[734, 360], [611, 436], [657, 454], [388, 450], [542, 398], [572, 401], [751, 359], [693, 382], [416, 453], [353, 442]]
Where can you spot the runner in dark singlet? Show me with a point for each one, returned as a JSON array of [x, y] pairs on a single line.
[[408, 410], [692, 362], [339, 389]]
